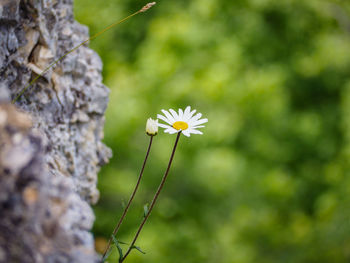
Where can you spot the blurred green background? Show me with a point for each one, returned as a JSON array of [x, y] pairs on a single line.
[[269, 179]]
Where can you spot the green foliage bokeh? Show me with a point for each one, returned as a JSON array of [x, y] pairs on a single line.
[[269, 179]]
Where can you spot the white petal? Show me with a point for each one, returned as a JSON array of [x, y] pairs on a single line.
[[193, 112], [199, 122], [171, 130], [190, 115], [196, 127], [163, 125], [181, 114], [195, 131], [186, 133], [163, 118], [168, 115], [176, 117], [195, 118], [187, 113], [186, 116], [188, 110]]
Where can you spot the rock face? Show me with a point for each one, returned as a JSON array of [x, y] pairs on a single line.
[[50, 141]]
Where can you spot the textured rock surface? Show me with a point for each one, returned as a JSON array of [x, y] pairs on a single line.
[[42, 217], [49, 162]]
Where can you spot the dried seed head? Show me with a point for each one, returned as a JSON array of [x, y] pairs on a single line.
[[148, 6]]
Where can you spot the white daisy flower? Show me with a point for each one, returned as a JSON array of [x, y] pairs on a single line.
[[184, 121]]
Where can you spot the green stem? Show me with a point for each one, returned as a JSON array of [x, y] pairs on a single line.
[[160, 187], [75, 48], [116, 229]]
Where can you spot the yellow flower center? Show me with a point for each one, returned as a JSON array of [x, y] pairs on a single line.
[[180, 125]]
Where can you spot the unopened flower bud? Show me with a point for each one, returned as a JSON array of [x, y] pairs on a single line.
[[152, 127]]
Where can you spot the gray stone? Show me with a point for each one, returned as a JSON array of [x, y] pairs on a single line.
[[50, 141]]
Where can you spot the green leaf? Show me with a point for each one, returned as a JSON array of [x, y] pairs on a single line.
[[145, 210], [120, 250], [138, 248]]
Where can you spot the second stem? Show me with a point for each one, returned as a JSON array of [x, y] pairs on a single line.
[[132, 245], [116, 229]]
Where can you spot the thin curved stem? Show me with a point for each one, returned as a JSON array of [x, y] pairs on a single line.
[[75, 48], [116, 229], [132, 245]]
